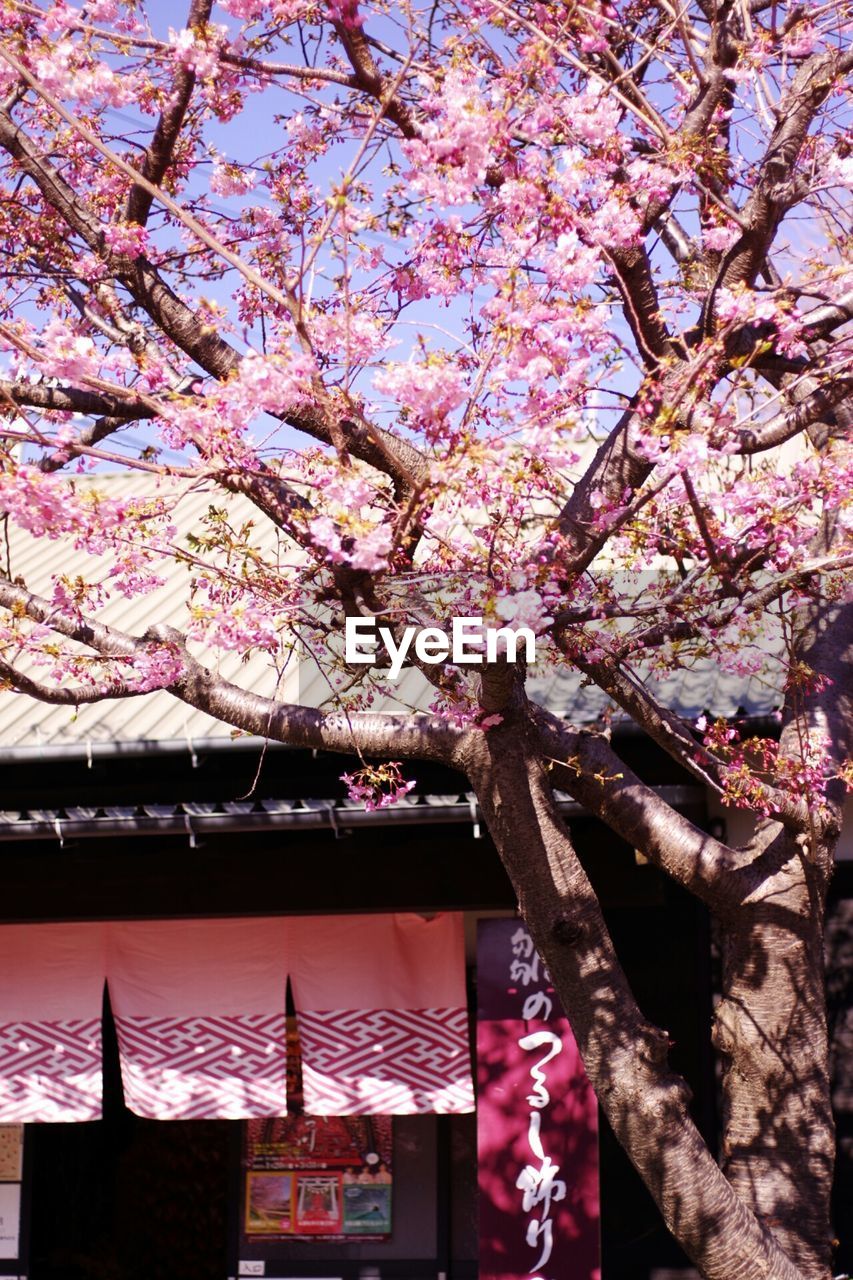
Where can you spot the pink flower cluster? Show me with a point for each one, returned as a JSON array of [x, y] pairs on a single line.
[[218, 422], [356, 335], [230, 180], [746, 306], [199, 52], [127, 238], [428, 390], [369, 551], [377, 786], [69, 72], [525, 609], [456, 145]]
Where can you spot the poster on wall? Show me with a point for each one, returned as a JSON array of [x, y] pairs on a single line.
[[269, 1203], [537, 1120], [11, 1175], [316, 1177], [367, 1209], [10, 1219]]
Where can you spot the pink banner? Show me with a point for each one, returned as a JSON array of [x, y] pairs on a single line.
[[537, 1121]]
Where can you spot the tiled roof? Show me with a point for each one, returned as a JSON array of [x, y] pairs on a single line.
[[702, 688], [196, 820]]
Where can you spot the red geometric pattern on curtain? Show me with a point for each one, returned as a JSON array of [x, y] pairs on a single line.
[[199, 1007], [50, 1071], [386, 1062]]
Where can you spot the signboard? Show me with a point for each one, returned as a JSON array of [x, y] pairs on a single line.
[[537, 1121], [316, 1177]]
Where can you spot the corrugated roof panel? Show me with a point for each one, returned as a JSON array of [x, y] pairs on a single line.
[[157, 717], [149, 717]]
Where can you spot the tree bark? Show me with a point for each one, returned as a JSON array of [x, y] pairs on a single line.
[[770, 1028], [625, 1056]]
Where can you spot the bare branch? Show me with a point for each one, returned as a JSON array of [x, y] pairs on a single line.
[[669, 731], [145, 284], [99, 430], [179, 322], [753, 602]]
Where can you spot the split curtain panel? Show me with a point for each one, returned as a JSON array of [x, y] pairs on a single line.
[[199, 1007]]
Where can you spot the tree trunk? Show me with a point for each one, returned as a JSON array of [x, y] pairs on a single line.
[[624, 1055], [770, 1028]]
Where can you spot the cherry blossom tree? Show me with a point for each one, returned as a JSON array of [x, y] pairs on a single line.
[[537, 313]]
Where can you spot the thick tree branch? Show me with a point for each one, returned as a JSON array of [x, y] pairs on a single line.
[[632, 271], [815, 406], [820, 322], [676, 240], [776, 189], [819, 708], [624, 1055], [108, 641], [83, 441], [669, 731], [158, 156], [584, 764], [369, 78], [40, 395], [144, 282], [416, 736], [616, 467]]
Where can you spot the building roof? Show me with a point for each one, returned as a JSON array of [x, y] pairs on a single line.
[[151, 718], [703, 688], [157, 722]]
